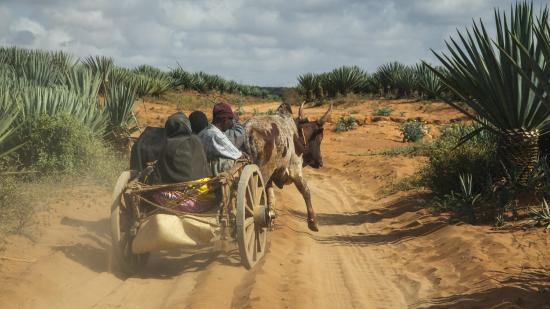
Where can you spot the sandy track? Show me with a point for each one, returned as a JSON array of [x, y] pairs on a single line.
[[301, 269], [371, 252]]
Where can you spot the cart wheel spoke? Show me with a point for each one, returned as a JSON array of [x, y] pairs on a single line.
[[251, 198], [250, 210], [250, 240], [258, 241], [252, 187], [248, 222]]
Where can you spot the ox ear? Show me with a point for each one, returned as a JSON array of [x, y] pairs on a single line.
[[324, 119]]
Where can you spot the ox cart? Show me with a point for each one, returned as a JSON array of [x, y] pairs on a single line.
[[240, 213]]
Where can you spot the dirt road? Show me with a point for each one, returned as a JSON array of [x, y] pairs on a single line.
[[371, 252], [301, 269]]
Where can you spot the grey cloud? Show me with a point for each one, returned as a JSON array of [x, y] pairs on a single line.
[[266, 42], [24, 37]]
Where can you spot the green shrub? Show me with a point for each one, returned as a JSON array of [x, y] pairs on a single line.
[[385, 111], [60, 144], [345, 123], [542, 214], [412, 131], [15, 209], [461, 203], [446, 162]]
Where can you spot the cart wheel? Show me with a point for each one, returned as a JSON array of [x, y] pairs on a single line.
[[251, 216], [121, 223]]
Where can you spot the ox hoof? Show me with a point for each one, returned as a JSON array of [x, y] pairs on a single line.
[[312, 225]]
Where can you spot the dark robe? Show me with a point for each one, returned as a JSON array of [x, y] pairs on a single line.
[[147, 148], [182, 157]]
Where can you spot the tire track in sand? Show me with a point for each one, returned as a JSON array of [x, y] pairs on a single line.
[[300, 270], [313, 271]]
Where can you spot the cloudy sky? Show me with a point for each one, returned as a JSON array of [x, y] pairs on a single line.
[[262, 42]]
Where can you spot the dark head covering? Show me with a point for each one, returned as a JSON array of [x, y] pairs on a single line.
[[147, 148], [177, 124], [182, 157], [222, 111], [198, 121]]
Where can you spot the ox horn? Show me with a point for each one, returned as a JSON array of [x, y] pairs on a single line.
[[301, 110], [325, 116]]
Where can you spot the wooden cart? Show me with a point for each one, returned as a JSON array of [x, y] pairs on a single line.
[[242, 213]]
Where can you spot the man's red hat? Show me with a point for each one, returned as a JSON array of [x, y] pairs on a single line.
[[222, 110]]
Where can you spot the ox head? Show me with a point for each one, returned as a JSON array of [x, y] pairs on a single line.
[[311, 135]]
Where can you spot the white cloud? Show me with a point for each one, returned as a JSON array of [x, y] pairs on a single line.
[[93, 19], [5, 18], [203, 14], [25, 24], [266, 42]]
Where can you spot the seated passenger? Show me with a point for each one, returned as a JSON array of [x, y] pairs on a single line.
[[220, 151], [198, 121], [147, 148], [182, 157], [235, 134]]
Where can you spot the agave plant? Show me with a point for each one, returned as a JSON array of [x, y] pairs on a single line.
[[199, 82], [542, 214], [255, 91], [232, 86], [429, 84], [119, 106], [37, 101], [387, 75], [214, 82], [62, 60], [405, 81], [152, 81], [483, 73], [328, 88], [8, 129], [6, 72], [101, 66], [346, 79], [310, 84], [150, 71], [40, 67], [38, 71], [245, 90], [540, 68], [82, 81], [181, 78]]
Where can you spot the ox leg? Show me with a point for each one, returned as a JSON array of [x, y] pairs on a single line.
[[270, 197], [301, 185]]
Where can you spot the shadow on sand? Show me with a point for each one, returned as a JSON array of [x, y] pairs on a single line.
[[393, 237], [396, 208], [528, 290], [392, 210], [93, 250]]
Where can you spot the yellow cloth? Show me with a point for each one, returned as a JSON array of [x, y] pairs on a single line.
[[204, 188]]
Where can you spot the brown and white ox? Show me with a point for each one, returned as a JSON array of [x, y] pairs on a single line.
[[281, 146]]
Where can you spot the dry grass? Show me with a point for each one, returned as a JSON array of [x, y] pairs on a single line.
[[192, 100]]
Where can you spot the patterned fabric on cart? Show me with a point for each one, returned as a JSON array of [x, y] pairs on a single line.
[[191, 199]]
